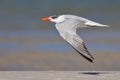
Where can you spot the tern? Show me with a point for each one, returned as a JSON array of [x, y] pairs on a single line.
[[67, 26]]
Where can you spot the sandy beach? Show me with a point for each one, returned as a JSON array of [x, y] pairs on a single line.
[[59, 75]]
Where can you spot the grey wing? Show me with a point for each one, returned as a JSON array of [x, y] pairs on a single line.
[[85, 22], [78, 44]]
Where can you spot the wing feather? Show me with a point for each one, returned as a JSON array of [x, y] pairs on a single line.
[[78, 44], [67, 30], [85, 22]]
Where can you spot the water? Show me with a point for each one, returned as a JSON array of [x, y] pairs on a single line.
[[21, 14], [27, 43]]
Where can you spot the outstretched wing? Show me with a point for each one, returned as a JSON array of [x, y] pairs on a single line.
[[78, 44], [67, 30]]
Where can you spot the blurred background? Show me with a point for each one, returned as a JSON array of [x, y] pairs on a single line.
[[27, 43]]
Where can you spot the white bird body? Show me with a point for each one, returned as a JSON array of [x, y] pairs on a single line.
[[67, 25]]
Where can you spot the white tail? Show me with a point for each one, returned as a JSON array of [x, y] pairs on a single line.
[[91, 23]]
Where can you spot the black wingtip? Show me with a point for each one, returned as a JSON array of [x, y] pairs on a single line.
[[89, 59]]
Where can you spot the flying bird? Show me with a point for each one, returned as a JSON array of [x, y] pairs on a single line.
[[67, 26]]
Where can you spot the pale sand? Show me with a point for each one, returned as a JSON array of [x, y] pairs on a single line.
[[59, 75]]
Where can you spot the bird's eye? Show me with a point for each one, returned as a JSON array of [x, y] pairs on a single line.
[[53, 17]]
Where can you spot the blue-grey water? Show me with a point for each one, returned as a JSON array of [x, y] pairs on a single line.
[[59, 46], [22, 32]]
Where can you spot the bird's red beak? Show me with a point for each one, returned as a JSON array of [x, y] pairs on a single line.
[[46, 19]]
